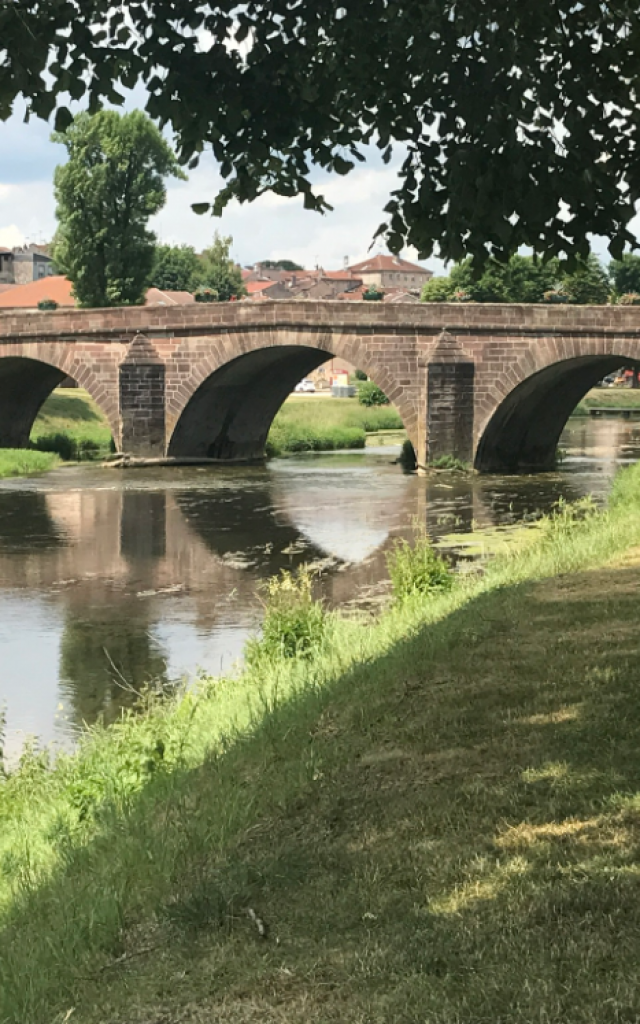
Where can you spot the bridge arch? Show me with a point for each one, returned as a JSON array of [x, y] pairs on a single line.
[[28, 375], [527, 407], [223, 406]]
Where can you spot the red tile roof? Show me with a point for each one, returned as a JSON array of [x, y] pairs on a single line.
[[158, 297], [377, 263], [27, 296], [58, 288], [258, 286]]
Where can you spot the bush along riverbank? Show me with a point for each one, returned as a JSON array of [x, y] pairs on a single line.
[[433, 816]]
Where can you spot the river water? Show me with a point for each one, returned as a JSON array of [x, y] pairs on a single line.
[[111, 579]]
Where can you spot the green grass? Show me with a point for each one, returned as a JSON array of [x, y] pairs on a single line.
[[608, 398], [327, 424], [437, 818], [22, 462], [71, 424]]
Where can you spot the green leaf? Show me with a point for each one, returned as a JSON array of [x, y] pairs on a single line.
[[200, 208], [63, 119]]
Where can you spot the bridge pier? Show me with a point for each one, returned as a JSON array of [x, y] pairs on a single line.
[[142, 400], [450, 401]]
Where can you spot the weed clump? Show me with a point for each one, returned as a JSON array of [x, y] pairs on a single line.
[[449, 462], [294, 622], [416, 569]]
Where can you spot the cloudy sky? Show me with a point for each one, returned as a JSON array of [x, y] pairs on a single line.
[[270, 228]]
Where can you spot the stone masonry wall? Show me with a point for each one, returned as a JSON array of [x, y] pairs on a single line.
[[393, 343]]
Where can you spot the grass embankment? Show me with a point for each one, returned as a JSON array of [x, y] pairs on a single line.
[[327, 424], [437, 818], [72, 425], [22, 462], [608, 398]]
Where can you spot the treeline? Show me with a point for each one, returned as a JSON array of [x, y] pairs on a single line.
[[526, 279]]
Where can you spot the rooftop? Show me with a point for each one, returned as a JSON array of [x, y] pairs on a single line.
[[381, 262]]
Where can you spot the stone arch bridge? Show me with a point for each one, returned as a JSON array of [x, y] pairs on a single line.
[[489, 384]]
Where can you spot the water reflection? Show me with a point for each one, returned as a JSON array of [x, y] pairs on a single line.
[[110, 580]]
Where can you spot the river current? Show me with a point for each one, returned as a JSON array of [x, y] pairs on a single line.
[[110, 579]]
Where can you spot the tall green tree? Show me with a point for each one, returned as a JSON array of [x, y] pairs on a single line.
[[505, 115], [588, 284], [176, 268], [625, 274], [111, 184], [219, 272]]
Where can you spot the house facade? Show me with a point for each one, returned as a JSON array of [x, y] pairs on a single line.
[[24, 264], [387, 272]]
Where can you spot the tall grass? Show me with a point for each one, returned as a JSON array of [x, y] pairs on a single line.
[[360, 799], [327, 424], [23, 462]]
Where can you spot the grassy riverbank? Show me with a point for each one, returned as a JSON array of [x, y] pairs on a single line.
[[327, 424], [433, 818], [608, 398], [22, 462], [72, 425]]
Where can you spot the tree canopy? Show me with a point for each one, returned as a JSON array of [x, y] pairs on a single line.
[[625, 274], [176, 268], [522, 279], [110, 186], [219, 273], [280, 265], [516, 123]]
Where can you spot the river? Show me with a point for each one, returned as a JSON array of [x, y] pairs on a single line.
[[111, 579]]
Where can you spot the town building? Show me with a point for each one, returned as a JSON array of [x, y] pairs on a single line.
[[24, 264], [388, 272]]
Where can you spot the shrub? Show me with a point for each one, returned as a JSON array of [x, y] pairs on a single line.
[[417, 569], [45, 304], [372, 294], [206, 295], [629, 299], [370, 394], [63, 445], [360, 375], [408, 459], [294, 623], [556, 295]]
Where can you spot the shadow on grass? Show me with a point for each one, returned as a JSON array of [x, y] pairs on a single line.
[[70, 407], [447, 833]]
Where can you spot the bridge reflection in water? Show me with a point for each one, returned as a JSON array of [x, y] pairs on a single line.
[[111, 581]]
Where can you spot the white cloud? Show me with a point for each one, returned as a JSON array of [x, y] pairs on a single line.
[[273, 227], [11, 236]]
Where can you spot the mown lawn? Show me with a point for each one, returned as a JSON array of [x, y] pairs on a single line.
[[609, 398], [436, 819]]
